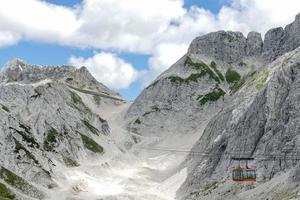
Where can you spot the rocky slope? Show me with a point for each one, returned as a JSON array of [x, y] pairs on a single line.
[[229, 95], [46, 125], [233, 96]]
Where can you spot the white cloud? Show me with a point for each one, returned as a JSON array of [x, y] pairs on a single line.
[[119, 24], [108, 69], [161, 28], [240, 15], [126, 25], [135, 25], [36, 20], [163, 57]]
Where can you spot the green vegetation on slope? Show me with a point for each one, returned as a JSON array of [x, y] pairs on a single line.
[[91, 145], [211, 71], [214, 66], [20, 184], [176, 79], [232, 76], [90, 127], [51, 139], [203, 67], [26, 136], [5, 193], [238, 85], [77, 103], [263, 79], [70, 162], [19, 146], [215, 95], [193, 77]]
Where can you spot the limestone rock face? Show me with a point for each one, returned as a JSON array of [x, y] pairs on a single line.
[[266, 128], [226, 46], [48, 123], [228, 96], [21, 72], [279, 41], [254, 44], [272, 44], [232, 47]]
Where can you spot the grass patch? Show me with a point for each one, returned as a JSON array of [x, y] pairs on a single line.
[[91, 145], [70, 162], [263, 80], [238, 85], [195, 77], [205, 70], [215, 95], [75, 98], [77, 103], [5, 193], [187, 61], [214, 66], [90, 127], [176, 79], [51, 139], [232, 76], [20, 184], [203, 67]]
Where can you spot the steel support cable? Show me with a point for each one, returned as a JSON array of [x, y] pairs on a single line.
[[258, 156]]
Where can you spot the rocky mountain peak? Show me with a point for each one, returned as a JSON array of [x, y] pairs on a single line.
[[18, 71], [15, 63], [233, 47], [254, 44], [221, 45], [227, 94]]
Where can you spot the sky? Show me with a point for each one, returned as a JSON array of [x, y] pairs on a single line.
[[126, 44]]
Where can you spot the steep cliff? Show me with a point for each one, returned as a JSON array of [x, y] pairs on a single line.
[[229, 96]]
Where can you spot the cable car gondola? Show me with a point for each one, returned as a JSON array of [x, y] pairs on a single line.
[[240, 174]]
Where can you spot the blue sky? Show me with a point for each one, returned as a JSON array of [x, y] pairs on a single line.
[[53, 54], [143, 61]]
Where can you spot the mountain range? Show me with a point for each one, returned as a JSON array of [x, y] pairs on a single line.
[[229, 95]]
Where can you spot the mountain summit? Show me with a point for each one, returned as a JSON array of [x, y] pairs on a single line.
[[64, 135], [229, 96]]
